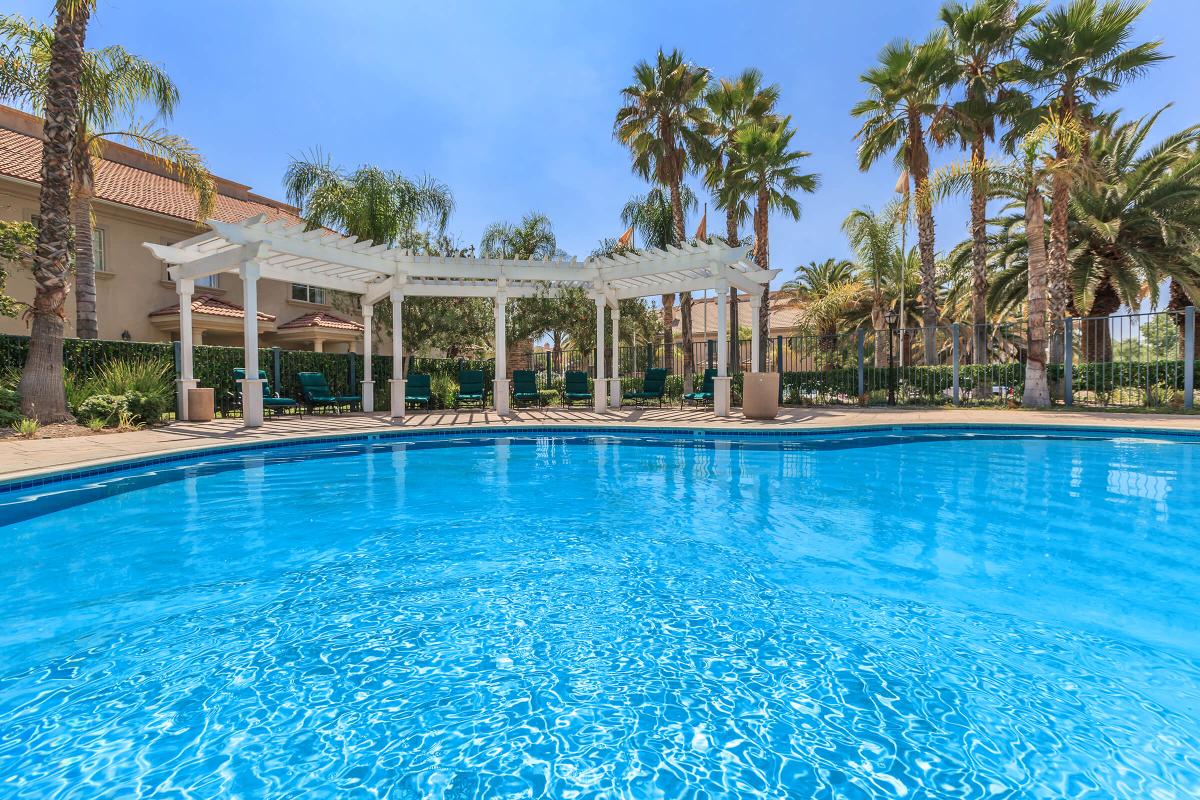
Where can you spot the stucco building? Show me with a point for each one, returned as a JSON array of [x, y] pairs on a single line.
[[137, 201]]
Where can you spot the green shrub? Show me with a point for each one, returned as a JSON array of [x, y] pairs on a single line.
[[106, 408], [150, 377], [442, 388], [26, 428], [10, 406], [133, 408]]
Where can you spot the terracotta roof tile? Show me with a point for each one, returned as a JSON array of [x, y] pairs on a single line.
[[213, 306], [321, 319], [21, 157]]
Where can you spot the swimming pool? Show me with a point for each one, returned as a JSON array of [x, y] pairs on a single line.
[[915, 613]]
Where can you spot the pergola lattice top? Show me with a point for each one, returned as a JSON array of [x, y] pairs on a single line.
[[318, 257]]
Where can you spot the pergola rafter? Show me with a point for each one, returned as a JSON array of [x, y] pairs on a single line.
[[257, 248]]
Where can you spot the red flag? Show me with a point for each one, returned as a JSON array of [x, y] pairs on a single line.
[[626, 239], [702, 228]]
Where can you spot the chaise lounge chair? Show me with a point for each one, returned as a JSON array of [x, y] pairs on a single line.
[[271, 401], [705, 395], [654, 387], [417, 390], [317, 393], [471, 388], [524, 387], [575, 388]]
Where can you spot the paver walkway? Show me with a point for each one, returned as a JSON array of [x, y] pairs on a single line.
[[26, 457]]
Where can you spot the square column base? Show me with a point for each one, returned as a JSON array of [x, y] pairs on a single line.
[[614, 392], [368, 396], [397, 389], [600, 393], [500, 394], [181, 390], [722, 395], [252, 405]]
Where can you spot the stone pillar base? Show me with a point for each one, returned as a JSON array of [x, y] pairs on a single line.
[[614, 392], [722, 395], [500, 396], [368, 396], [252, 405], [181, 404], [397, 388], [600, 393]]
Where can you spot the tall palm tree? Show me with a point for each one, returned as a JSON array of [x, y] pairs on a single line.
[[902, 94], [42, 395], [824, 291], [733, 104], [660, 121], [873, 239], [114, 85], [1074, 55], [982, 37], [762, 157], [370, 203]]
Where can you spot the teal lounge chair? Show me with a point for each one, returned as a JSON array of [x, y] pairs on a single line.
[[705, 395], [575, 388], [654, 387], [524, 387], [317, 393], [417, 390], [471, 388], [271, 401]]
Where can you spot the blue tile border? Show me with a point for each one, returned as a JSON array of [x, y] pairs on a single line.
[[497, 432]]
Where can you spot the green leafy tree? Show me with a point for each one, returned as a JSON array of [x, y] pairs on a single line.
[[114, 85], [763, 157], [873, 237], [661, 120], [17, 243], [903, 94], [824, 291]]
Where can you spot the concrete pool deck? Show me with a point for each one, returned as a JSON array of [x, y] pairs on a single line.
[[24, 458]]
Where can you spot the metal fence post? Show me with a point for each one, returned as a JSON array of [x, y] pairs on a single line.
[[712, 353], [779, 364], [1189, 354], [1068, 361], [276, 369], [353, 372], [861, 335], [954, 332]]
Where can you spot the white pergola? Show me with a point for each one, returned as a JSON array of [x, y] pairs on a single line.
[[256, 248]]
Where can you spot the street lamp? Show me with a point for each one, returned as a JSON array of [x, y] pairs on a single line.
[[890, 316]]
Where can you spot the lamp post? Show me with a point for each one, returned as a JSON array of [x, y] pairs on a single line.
[[890, 318]]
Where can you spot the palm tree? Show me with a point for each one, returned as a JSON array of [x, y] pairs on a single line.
[[763, 158], [660, 121], [982, 37], [733, 104], [114, 85], [824, 291], [873, 239], [42, 395], [370, 203], [532, 238], [1074, 55], [902, 93]]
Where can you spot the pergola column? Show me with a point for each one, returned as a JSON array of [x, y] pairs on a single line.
[[252, 390], [721, 383], [599, 392], [368, 385], [500, 384], [755, 338], [397, 382], [614, 383], [184, 287]]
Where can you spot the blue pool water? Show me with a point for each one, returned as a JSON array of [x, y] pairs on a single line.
[[922, 615]]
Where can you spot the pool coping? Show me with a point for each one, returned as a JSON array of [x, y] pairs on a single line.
[[58, 475]]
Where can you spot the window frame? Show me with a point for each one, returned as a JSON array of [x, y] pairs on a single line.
[[313, 295]]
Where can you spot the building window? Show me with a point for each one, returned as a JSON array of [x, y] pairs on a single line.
[[308, 294], [98, 256], [208, 282]]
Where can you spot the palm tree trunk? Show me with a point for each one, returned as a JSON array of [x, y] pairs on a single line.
[[87, 325], [762, 257], [919, 168], [1037, 388], [979, 276], [1178, 302], [42, 388], [735, 348], [1097, 337], [685, 298], [668, 322], [879, 324], [1058, 272]]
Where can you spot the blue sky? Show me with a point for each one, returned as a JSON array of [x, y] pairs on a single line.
[[511, 104]]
